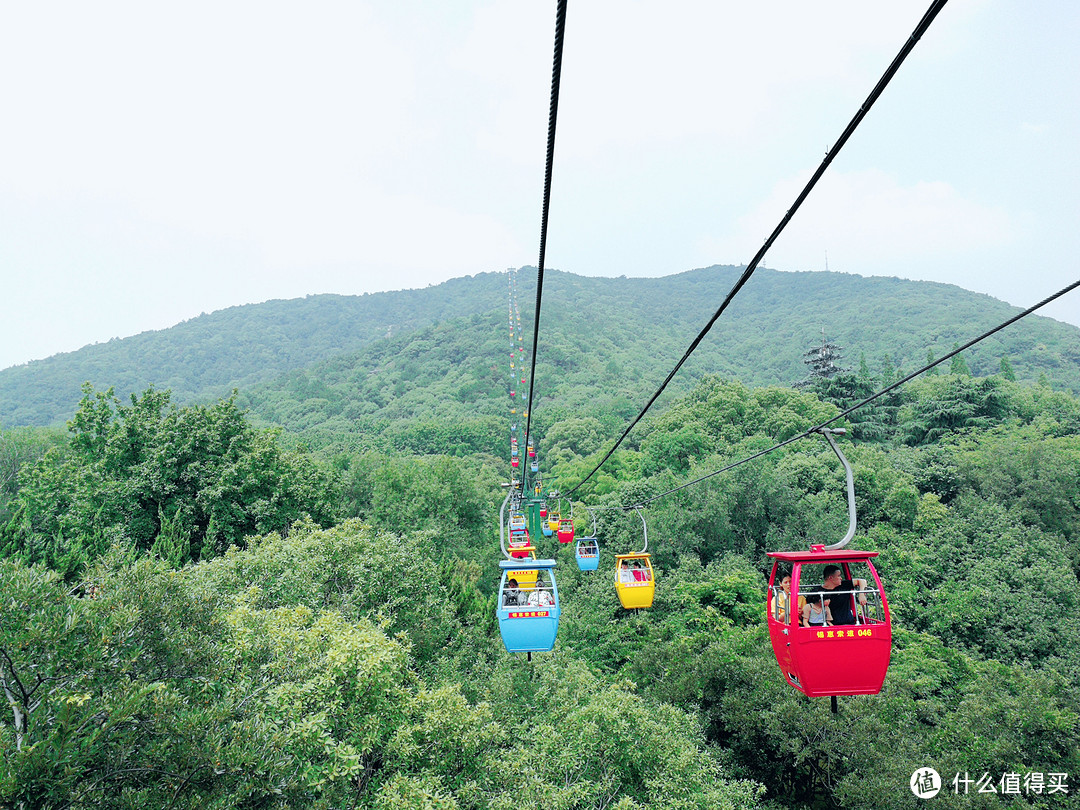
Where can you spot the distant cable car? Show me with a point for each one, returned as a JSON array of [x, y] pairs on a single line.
[[830, 626], [534, 466], [519, 542], [635, 582], [587, 550], [565, 530], [587, 554], [514, 461]]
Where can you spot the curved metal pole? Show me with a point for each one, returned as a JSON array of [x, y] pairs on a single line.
[[645, 529], [828, 434], [502, 523], [593, 516]]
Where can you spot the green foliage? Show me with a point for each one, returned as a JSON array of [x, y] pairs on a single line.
[[359, 664], [184, 482], [954, 403]]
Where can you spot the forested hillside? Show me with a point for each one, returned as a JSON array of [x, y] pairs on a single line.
[[208, 356], [327, 361], [201, 610]]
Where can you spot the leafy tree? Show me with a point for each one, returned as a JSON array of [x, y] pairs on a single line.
[[953, 403], [187, 482], [1007, 369], [958, 365]]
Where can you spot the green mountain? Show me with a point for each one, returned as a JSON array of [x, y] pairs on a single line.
[[200, 614], [206, 357], [330, 363]]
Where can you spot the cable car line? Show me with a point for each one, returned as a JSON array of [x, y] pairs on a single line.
[[531, 625], [879, 88], [553, 114], [824, 425]]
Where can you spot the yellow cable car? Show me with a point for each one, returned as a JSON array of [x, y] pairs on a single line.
[[635, 582]]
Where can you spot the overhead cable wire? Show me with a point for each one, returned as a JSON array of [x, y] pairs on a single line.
[[556, 72], [879, 88], [861, 404]]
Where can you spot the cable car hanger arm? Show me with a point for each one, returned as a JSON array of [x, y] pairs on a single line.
[[828, 434]]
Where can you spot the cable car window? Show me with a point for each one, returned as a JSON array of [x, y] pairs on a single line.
[[780, 600], [849, 595], [540, 594]]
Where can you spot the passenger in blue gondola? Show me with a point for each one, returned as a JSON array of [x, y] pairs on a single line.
[[540, 596], [838, 593], [816, 611], [511, 595]]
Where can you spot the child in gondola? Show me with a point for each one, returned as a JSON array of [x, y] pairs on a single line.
[[815, 612]]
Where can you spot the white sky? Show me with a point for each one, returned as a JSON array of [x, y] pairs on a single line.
[[160, 160]]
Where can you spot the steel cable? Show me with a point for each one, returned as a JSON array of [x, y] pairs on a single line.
[[879, 88]]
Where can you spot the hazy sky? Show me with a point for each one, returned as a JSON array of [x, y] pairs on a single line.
[[160, 160]]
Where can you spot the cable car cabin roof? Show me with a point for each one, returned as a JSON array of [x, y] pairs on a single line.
[[838, 555], [519, 564]]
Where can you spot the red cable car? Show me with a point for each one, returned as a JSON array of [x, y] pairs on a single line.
[[829, 658], [565, 531], [829, 625]]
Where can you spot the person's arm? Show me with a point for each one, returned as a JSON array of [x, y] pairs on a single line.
[[861, 585], [806, 615], [828, 615]]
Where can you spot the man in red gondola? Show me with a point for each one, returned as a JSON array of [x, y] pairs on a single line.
[[841, 604]]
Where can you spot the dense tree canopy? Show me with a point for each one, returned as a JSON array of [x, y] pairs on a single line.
[[192, 614], [183, 482]]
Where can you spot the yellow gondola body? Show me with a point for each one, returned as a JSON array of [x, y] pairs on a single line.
[[634, 580]]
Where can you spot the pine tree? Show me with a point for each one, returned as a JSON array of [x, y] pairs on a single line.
[[959, 365], [1007, 369]]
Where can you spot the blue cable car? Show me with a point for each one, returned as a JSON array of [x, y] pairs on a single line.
[[528, 617], [587, 549], [587, 553]]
